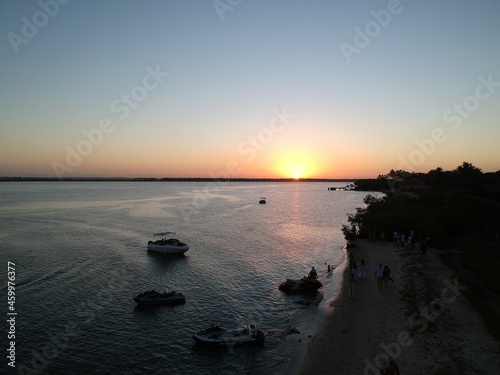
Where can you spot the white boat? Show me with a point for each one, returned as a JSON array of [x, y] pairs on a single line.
[[218, 336], [163, 242]]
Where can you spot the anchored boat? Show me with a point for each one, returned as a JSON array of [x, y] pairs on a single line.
[[154, 298], [164, 242], [216, 335]]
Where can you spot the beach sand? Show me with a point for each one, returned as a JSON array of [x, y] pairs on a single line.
[[421, 320]]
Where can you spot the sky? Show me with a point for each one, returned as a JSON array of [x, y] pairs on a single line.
[[248, 88]]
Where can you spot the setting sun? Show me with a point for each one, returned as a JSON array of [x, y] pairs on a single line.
[[296, 165]]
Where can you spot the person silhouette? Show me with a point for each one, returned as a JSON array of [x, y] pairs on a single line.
[[313, 274]]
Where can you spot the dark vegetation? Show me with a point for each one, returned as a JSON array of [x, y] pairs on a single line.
[[458, 211]]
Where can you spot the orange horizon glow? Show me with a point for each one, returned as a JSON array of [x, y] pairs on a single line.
[[284, 161]]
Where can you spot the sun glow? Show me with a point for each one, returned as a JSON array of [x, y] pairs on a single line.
[[296, 166], [295, 171]]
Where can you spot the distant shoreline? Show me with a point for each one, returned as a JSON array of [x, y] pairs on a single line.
[[167, 179]]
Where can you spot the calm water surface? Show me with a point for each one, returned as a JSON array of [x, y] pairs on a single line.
[[80, 255]]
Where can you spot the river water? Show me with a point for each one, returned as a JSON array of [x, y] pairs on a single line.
[[79, 253]]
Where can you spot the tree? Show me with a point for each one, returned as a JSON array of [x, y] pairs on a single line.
[[468, 175]]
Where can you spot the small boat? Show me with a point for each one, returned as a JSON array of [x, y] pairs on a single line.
[[162, 243], [304, 285], [262, 200], [154, 298], [216, 335]]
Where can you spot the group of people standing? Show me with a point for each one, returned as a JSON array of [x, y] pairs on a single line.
[[407, 242], [361, 271], [404, 241], [355, 270], [383, 275]]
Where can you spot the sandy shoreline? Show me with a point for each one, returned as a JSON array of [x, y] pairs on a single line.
[[421, 320]]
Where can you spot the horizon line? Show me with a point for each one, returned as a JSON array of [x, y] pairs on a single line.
[[110, 178]]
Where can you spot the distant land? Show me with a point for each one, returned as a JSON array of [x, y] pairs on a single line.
[[195, 179]]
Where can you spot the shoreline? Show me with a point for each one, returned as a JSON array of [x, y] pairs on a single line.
[[446, 336], [331, 292]]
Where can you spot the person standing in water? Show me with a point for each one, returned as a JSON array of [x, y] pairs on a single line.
[[313, 274]]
